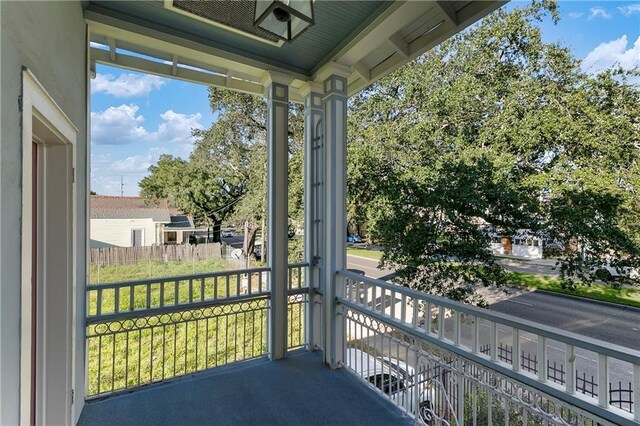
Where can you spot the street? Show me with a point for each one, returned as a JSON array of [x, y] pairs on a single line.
[[615, 324]]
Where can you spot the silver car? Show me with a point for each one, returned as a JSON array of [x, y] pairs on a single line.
[[395, 379]]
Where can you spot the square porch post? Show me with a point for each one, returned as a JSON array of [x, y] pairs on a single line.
[[313, 212], [277, 92], [334, 106]]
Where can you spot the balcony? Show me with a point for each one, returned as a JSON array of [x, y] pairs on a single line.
[[201, 341]]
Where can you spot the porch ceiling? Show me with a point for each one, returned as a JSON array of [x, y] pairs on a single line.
[[366, 39]]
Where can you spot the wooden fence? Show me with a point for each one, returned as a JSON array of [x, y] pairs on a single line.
[[106, 256]]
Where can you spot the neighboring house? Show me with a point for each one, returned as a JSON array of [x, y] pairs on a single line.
[[130, 222], [178, 230], [522, 244]]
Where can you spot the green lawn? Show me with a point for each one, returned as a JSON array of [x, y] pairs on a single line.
[[623, 296], [151, 269], [371, 254], [134, 352]]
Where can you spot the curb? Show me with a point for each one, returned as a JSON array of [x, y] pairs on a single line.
[[582, 298]]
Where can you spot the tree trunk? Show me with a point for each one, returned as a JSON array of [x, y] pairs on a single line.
[[217, 224], [250, 239]]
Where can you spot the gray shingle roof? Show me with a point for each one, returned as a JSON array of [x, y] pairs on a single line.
[[181, 222], [111, 207]]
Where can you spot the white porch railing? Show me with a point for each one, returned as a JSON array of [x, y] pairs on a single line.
[[453, 355], [149, 331]]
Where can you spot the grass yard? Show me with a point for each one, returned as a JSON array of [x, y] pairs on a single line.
[[623, 296], [147, 269], [128, 353], [371, 254]]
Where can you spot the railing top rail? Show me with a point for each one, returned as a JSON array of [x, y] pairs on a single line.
[[585, 342], [146, 281]]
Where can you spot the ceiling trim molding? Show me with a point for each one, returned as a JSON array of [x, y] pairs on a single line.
[[143, 36]]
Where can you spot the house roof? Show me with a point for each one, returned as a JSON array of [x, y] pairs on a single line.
[[113, 207], [181, 222], [361, 40]]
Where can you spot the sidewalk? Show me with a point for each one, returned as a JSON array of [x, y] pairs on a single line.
[[541, 262]]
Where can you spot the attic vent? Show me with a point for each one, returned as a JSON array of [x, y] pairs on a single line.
[[236, 15]]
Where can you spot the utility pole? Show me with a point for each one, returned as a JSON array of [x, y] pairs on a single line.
[[121, 186]]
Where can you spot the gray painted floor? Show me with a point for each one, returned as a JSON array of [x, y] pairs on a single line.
[[298, 390]]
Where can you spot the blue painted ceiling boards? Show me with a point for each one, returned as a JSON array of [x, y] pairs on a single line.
[[336, 22]]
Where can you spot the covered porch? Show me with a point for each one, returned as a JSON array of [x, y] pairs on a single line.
[[314, 343]]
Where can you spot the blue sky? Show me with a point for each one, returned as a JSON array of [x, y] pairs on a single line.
[[136, 117]]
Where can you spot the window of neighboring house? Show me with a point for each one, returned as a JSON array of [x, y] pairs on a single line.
[[172, 237], [137, 237]]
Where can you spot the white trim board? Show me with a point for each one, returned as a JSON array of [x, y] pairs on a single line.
[[44, 122]]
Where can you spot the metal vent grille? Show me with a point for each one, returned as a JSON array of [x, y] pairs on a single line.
[[237, 14]]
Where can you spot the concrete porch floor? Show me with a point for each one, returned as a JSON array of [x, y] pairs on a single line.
[[298, 390]]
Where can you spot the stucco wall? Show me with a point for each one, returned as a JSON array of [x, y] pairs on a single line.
[[49, 38], [117, 232]]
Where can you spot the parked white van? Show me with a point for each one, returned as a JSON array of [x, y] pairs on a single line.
[[395, 379]]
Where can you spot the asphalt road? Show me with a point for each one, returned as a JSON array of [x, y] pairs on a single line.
[[609, 323]]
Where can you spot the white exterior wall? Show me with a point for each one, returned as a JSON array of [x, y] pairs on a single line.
[[49, 38], [530, 252], [117, 232], [519, 250]]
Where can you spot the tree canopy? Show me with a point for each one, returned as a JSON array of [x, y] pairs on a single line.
[[224, 177], [496, 127], [493, 131]]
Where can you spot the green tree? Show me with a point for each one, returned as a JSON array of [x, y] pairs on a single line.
[[224, 178], [192, 189], [495, 127]]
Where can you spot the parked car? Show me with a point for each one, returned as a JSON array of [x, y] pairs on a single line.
[[394, 378], [354, 238], [226, 234]]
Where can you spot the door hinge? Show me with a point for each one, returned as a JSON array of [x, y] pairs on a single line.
[[73, 175], [73, 394], [20, 103]]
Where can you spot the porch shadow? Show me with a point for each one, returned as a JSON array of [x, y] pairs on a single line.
[[298, 390]]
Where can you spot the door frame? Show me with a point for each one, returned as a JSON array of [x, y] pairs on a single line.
[[45, 123]]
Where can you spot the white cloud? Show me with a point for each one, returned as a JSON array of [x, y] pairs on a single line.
[[123, 125], [126, 85], [630, 9], [611, 54], [137, 163], [598, 12], [177, 127], [575, 15], [106, 173], [117, 126]]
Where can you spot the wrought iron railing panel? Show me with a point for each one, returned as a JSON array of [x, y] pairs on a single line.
[[577, 368], [174, 326]]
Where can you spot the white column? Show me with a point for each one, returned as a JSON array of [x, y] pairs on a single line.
[[334, 105], [313, 213], [277, 92]]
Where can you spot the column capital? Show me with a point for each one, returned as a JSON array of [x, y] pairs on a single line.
[[333, 68], [312, 94], [271, 77], [335, 85], [310, 87]]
